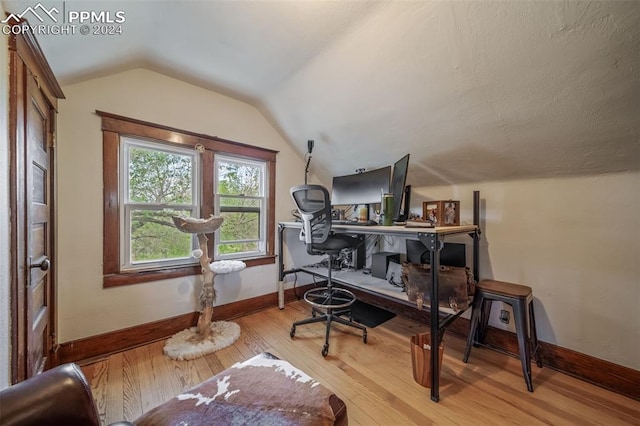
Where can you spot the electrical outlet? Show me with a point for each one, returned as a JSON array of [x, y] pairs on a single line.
[[505, 316]]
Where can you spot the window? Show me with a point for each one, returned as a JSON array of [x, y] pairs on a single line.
[[152, 172], [158, 182], [240, 199]]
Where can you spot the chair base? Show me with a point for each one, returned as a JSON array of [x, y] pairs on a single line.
[[329, 298], [328, 305]]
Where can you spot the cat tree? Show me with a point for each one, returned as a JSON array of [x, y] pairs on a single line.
[[207, 336]]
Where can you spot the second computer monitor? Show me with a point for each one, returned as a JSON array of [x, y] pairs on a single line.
[[398, 182]]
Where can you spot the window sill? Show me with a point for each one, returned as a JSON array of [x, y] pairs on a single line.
[[127, 278]]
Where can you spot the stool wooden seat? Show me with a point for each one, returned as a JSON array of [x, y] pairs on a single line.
[[520, 297]]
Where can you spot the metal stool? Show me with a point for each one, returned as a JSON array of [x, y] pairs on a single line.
[[520, 298]]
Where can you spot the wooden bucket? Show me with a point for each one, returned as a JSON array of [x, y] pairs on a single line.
[[421, 358]]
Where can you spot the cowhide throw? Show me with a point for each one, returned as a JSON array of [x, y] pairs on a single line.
[[261, 391]]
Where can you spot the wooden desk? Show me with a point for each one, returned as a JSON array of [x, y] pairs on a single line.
[[432, 238]]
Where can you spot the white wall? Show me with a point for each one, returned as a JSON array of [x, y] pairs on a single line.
[[5, 331], [576, 242], [85, 308]]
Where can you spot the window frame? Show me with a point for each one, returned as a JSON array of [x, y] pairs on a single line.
[[113, 128], [128, 206], [264, 182]]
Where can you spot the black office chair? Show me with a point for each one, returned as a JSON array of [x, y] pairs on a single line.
[[328, 303]]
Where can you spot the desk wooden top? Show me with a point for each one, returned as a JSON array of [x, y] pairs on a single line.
[[394, 230]]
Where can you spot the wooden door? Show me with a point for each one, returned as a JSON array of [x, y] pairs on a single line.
[[33, 95], [38, 289]]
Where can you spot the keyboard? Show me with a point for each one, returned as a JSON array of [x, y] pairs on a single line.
[[355, 223]]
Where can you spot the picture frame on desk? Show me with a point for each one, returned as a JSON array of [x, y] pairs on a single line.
[[441, 212]]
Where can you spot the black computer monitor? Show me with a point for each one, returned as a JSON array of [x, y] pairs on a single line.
[[361, 188], [398, 182]]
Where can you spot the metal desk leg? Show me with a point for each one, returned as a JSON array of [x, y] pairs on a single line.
[[280, 267], [476, 235], [434, 245]]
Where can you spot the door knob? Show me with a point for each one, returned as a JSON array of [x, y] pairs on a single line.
[[44, 265]]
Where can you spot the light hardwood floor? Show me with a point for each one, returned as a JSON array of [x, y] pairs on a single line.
[[375, 380]]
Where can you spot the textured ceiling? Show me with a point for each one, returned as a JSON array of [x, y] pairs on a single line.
[[474, 91]]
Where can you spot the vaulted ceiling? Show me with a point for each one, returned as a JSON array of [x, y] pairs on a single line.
[[473, 90]]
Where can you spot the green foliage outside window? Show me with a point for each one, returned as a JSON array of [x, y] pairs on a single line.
[[161, 185], [153, 236], [158, 177], [240, 188]]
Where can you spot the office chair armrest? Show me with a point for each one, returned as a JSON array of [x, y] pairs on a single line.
[[306, 232]]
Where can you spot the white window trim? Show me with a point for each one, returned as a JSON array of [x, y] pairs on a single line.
[[263, 198], [127, 207]]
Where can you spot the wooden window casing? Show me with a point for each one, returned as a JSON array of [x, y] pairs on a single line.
[[115, 126]]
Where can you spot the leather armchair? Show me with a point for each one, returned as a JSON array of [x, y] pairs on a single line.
[[60, 396]]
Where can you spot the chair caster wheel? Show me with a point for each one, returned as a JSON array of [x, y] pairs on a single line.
[[364, 337], [292, 332], [325, 350]]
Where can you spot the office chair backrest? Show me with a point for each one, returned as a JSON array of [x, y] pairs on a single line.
[[315, 209]]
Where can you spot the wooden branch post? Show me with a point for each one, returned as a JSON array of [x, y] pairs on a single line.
[[201, 227], [208, 293]]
